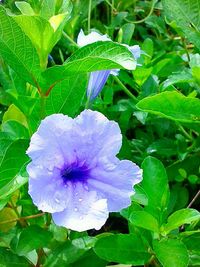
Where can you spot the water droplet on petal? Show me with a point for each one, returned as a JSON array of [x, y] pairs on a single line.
[[81, 217], [86, 187], [57, 200], [80, 199], [76, 194], [75, 209]]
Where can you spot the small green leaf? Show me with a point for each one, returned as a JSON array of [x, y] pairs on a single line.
[[66, 253], [7, 214], [32, 237], [180, 217], [144, 220], [171, 253], [155, 185], [172, 105], [25, 8], [126, 249], [8, 259]]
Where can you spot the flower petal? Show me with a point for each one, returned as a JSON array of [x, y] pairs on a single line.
[[84, 212], [92, 37], [95, 137], [96, 83], [114, 181], [50, 145], [46, 189], [135, 50]]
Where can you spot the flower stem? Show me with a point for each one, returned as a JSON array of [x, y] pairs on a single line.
[[194, 199], [125, 89], [149, 14], [89, 15], [69, 39], [23, 218], [42, 106]]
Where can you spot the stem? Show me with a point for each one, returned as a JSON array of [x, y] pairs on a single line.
[[142, 20], [185, 133], [89, 15], [186, 50], [23, 218], [42, 106], [69, 39], [124, 88], [194, 199]]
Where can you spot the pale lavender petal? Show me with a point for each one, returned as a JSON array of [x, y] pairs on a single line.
[[115, 72], [85, 211], [46, 188], [135, 50], [50, 145], [96, 83], [92, 37], [95, 137], [115, 180]]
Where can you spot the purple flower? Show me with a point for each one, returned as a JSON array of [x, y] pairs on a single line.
[[75, 174], [98, 79]]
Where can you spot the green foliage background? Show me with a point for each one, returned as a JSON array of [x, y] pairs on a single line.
[[157, 107]]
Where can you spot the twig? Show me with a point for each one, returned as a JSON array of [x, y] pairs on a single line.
[[23, 218]]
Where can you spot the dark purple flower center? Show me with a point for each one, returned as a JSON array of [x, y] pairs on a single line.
[[75, 173]]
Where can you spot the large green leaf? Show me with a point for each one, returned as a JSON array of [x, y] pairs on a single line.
[[155, 185], [187, 17], [171, 253], [17, 49], [127, 249], [97, 56], [67, 95], [180, 217], [172, 105], [41, 35]]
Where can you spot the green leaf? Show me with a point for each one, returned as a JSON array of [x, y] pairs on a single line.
[[8, 259], [126, 249], [44, 34], [32, 237], [180, 217], [192, 243], [186, 15], [64, 254], [172, 105], [7, 214], [155, 185], [15, 130], [17, 49], [144, 220], [15, 183], [89, 259], [66, 96], [25, 8], [41, 35], [96, 56], [171, 253], [14, 153]]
